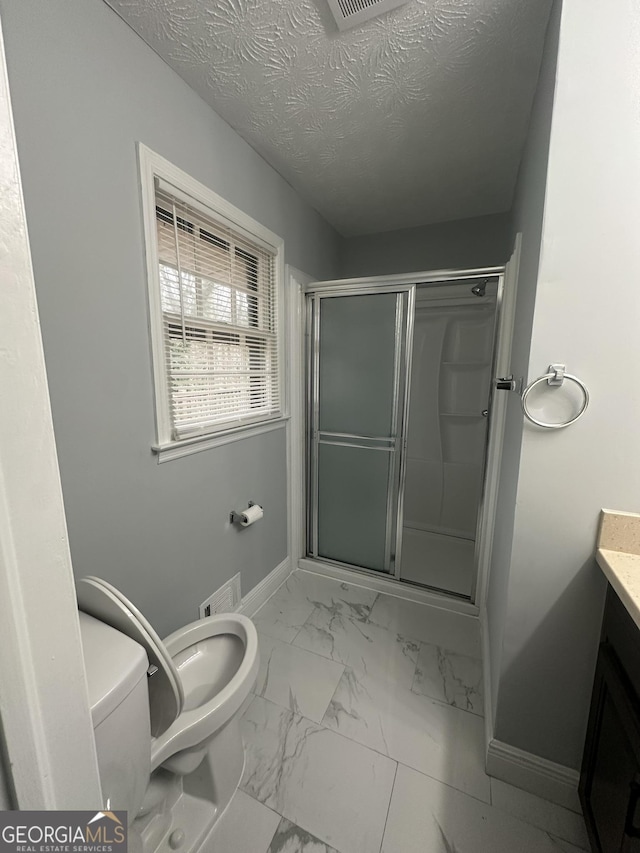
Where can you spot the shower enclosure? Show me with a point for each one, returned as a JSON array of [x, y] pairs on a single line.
[[399, 397]]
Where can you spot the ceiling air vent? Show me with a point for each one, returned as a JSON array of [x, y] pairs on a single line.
[[351, 13]]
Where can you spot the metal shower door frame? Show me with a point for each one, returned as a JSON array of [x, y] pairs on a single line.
[[395, 444], [507, 275]]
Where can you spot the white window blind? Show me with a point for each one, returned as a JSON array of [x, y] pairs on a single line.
[[218, 298]]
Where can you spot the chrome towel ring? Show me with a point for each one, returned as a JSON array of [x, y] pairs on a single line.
[[555, 377]]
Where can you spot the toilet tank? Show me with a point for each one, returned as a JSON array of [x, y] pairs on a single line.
[[116, 668]]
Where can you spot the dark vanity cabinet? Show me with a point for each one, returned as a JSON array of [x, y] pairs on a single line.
[[610, 778]]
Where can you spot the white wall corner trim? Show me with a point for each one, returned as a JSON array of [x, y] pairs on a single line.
[[546, 779], [485, 645], [262, 592], [498, 406]]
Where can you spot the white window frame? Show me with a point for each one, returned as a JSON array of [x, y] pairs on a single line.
[[154, 166]]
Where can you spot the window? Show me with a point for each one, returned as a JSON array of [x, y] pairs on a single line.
[[214, 287]]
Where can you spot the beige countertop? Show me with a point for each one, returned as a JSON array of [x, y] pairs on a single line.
[[618, 555]]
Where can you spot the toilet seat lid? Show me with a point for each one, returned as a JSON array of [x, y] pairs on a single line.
[[103, 601]]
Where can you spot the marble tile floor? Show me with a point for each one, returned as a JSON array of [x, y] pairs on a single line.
[[364, 734]]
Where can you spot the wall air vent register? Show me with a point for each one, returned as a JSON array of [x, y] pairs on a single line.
[[352, 13]]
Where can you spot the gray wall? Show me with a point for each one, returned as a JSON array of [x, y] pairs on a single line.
[[587, 314], [85, 88], [462, 244], [527, 218]]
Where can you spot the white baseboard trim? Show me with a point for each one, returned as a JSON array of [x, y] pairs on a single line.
[[387, 585], [262, 592], [546, 779]]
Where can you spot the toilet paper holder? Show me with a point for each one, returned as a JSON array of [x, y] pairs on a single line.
[[239, 517]]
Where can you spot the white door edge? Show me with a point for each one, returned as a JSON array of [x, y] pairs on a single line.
[[44, 706]]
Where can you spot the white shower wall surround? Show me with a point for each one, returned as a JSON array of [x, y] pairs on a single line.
[[452, 355]]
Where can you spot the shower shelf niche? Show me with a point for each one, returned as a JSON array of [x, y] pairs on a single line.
[[446, 438]]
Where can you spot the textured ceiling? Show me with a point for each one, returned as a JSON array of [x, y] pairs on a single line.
[[416, 117]]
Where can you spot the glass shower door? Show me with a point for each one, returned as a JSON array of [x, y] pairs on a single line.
[[357, 383]]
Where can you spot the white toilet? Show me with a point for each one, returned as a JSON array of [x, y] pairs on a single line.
[[172, 755]]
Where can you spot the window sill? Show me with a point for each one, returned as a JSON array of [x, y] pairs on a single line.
[[177, 449]]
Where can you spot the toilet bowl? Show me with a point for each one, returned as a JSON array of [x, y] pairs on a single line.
[[198, 679]]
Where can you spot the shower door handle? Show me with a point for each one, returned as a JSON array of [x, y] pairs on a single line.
[[505, 383], [508, 383]]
